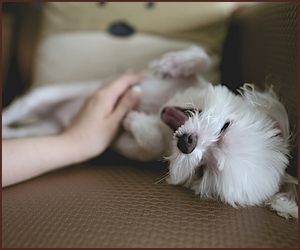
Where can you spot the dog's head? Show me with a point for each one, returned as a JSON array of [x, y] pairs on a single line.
[[229, 146]]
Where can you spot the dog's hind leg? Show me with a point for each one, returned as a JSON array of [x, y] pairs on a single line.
[[30, 115], [48, 105], [143, 139], [18, 110], [42, 128], [42, 100]]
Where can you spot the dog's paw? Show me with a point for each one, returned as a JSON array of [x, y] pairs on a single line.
[[139, 124], [39, 128], [129, 120], [183, 63], [145, 131], [12, 133]]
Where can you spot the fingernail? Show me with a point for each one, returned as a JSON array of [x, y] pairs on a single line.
[[137, 89], [135, 92]]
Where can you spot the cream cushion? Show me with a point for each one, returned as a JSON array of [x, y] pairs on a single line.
[[75, 43]]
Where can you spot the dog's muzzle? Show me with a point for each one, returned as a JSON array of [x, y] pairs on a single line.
[[175, 117]]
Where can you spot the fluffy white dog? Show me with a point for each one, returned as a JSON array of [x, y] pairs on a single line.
[[222, 145]]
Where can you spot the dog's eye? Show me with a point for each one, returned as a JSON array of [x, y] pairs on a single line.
[[225, 126]]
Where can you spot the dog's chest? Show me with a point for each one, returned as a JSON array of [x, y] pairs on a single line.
[[156, 92]]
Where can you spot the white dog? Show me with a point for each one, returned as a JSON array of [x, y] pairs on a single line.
[[222, 145]]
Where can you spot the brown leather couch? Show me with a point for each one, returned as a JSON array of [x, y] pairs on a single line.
[[114, 202]]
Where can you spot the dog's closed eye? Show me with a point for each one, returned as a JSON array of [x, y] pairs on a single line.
[[225, 126]]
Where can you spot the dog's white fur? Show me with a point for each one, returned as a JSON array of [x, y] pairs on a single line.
[[243, 164]]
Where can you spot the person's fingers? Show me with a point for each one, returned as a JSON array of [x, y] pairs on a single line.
[[119, 86], [128, 101]]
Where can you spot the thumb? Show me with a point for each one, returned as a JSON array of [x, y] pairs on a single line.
[[128, 101]]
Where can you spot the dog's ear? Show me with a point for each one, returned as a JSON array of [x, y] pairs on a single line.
[[267, 102]]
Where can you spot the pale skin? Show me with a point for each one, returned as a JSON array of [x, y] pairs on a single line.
[[89, 135]]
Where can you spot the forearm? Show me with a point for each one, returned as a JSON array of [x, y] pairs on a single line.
[[90, 133], [23, 159]]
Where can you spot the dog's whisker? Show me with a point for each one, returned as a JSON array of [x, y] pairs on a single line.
[[163, 178]]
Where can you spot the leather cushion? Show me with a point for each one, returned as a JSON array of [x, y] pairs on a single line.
[[114, 202]]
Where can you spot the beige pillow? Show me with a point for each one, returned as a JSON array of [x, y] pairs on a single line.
[[75, 43]]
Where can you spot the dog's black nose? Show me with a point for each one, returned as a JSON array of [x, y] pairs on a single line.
[[187, 143]]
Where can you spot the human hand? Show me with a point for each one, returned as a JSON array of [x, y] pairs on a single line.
[[97, 123]]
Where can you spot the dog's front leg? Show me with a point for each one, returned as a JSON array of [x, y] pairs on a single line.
[[143, 139], [191, 61]]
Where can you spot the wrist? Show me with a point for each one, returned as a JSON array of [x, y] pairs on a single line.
[[80, 146], [76, 148]]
